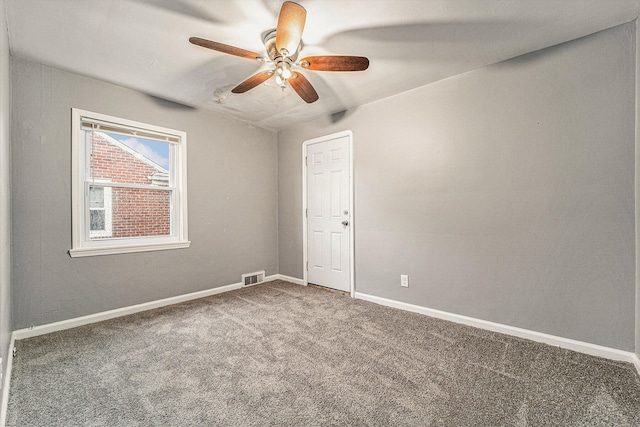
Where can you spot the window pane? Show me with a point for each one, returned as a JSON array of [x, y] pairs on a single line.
[[126, 159], [96, 197], [138, 212], [97, 220]]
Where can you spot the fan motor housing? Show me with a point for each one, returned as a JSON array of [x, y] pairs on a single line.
[[269, 40]]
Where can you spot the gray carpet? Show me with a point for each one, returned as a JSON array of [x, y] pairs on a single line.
[[284, 354]]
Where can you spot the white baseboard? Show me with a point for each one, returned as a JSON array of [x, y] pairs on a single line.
[[287, 279], [6, 382], [636, 361], [569, 344], [118, 312]]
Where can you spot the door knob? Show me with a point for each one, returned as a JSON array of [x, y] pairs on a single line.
[[345, 222]]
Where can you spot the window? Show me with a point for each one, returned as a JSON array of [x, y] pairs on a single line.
[[99, 212], [129, 189]]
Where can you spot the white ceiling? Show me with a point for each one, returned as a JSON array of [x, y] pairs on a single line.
[[143, 44]]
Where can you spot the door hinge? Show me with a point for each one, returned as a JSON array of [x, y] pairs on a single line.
[[306, 213], [306, 161], [307, 263]]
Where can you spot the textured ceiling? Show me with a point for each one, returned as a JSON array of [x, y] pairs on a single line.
[[143, 44]]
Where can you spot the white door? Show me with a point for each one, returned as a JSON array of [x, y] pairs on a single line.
[[328, 212]]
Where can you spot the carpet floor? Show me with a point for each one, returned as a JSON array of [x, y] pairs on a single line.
[[284, 354]]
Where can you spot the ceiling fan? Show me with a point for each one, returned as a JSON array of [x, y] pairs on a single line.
[[283, 46]]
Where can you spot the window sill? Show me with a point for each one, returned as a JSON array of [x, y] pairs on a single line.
[[112, 250]]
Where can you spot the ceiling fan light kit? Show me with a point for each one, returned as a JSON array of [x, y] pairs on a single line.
[[282, 47]]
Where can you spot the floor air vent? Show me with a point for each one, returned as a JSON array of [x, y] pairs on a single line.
[[253, 278]]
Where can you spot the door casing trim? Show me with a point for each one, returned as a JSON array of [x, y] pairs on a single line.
[[305, 144]]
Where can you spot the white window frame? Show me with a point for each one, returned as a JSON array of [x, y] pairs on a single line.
[[82, 245]]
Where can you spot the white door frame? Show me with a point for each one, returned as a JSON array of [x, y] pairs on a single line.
[[351, 219]]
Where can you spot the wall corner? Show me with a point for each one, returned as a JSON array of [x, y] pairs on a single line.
[[637, 185]]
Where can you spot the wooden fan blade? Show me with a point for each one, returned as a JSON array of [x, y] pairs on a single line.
[[290, 25], [252, 82], [224, 48], [335, 63], [301, 85]]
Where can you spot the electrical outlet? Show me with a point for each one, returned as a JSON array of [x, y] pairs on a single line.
[[404, 280]]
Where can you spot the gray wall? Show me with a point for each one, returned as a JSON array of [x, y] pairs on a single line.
[[637, 194], [5, 193], [232, 183], [506, 194]]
